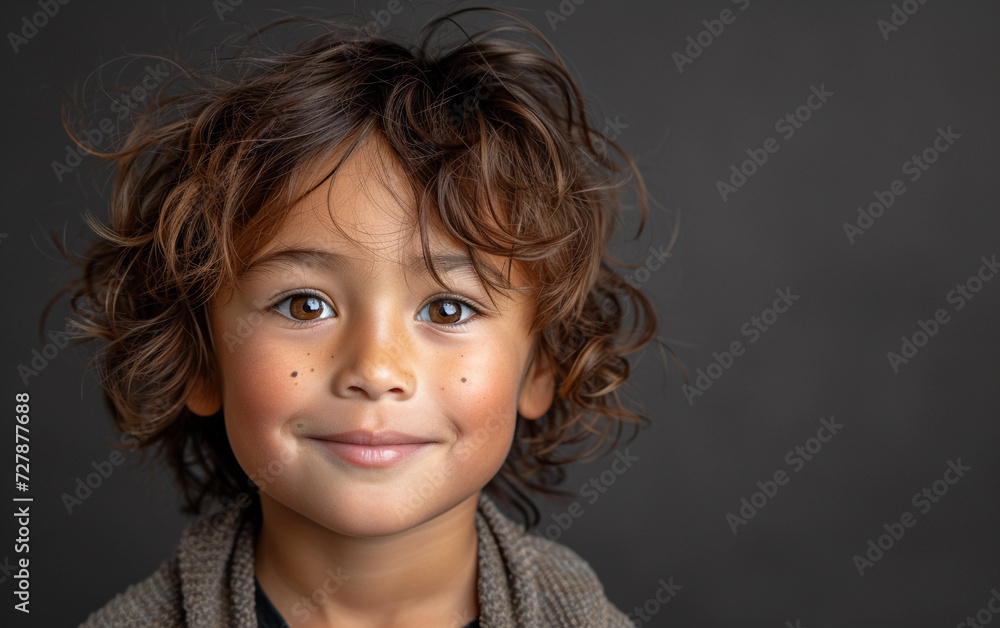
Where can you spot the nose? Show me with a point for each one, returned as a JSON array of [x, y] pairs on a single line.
[[375, 356]]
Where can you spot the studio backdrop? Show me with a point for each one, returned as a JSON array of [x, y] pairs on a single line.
[[822, 249]]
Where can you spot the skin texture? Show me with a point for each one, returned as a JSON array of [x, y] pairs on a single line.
[[364, 546]]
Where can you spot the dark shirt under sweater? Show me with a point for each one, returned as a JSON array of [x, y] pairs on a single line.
[[269, 617]]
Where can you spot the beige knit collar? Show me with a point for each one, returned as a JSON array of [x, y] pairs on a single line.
[[523, 580]]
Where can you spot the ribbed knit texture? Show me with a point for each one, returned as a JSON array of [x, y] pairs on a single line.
[[524, 580]]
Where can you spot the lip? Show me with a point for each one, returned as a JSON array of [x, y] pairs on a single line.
[[376, 450]]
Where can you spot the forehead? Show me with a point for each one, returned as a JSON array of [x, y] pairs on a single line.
[[365, 214], [367, 203]]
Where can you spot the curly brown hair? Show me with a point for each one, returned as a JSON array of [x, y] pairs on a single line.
[[494, 138]]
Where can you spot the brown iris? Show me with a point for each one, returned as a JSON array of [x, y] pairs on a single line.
[[305, 307], [448, 311]]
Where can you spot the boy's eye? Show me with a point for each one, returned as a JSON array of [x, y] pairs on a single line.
[[447, 312], [304, 307], [310, 307]]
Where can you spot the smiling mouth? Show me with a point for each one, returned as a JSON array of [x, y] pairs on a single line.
[[375, 450]]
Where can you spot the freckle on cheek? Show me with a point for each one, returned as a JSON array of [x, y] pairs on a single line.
[[463, 380], [295, 373]]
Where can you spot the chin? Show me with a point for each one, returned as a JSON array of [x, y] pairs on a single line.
[[373, 513]]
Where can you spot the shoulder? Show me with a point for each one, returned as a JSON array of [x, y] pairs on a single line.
[[559, 583], [201, 567], [568, 584], [155, 601]]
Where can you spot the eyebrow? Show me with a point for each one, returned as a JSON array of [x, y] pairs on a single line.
[[446, 263]]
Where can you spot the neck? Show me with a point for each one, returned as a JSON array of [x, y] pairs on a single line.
[[317, 577]]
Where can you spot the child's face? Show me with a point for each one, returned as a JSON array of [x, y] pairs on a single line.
[[310, 350]]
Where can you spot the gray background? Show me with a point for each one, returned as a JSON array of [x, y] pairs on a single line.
[[665, 517]]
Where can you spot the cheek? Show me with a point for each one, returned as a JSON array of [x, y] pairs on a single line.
[[482, 380], [258, 396], [484, 407]]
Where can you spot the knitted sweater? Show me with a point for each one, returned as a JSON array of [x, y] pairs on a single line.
[[524, 580]]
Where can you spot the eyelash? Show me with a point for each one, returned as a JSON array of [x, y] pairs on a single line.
[[273, 308]]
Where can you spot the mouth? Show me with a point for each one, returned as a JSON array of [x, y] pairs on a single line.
[[367, 449]]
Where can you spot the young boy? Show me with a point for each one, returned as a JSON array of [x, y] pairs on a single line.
[[357, 295]]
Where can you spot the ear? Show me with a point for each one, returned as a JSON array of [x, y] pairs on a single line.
[[204, 399], [538, 386]]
